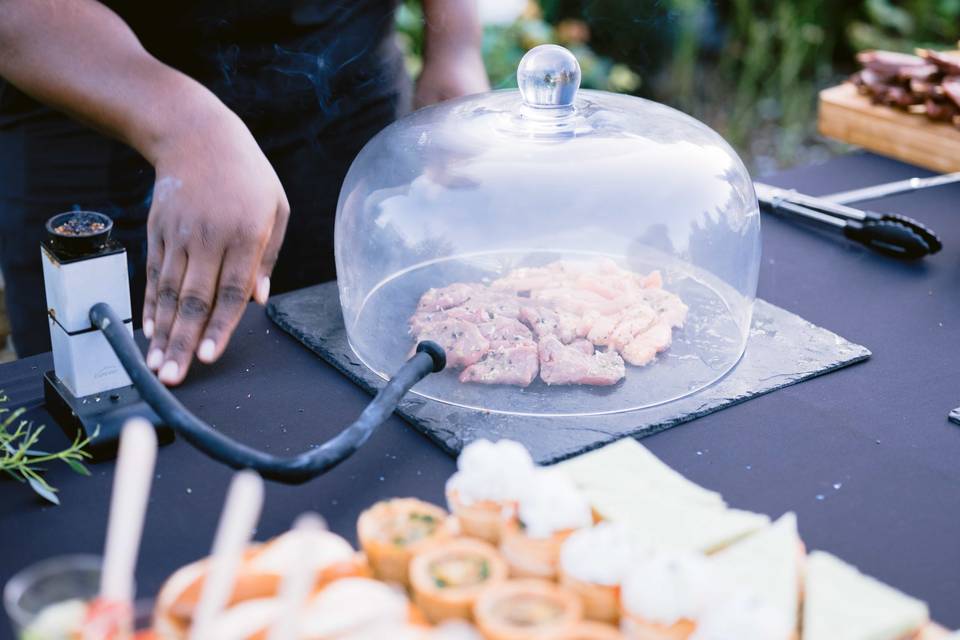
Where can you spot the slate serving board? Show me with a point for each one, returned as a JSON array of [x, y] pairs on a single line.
[[782, 349]]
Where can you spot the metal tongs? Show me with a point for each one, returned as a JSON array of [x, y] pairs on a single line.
[[887, 233]]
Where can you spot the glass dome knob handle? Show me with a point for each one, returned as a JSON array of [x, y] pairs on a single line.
[[548, 77]]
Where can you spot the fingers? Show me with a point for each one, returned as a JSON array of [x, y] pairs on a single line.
[[262, 289], [167, 299], [194, 305], [233, 291], [154, 267]]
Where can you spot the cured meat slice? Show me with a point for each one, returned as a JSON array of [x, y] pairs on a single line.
[[514, 365], [565, 364]]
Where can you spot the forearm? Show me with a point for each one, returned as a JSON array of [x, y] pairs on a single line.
[[81, 58], [451, 25]]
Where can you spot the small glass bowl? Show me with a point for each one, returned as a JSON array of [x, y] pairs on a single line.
[[48, 582]]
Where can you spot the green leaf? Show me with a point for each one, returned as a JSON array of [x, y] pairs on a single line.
[[77, 466], [43, 490]]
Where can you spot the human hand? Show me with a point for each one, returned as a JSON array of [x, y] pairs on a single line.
[[214, 230], [450, 73]]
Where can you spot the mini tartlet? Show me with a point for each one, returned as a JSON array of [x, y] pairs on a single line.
[[353, 606], [591, 630], [593, 563], [489, 480], [259, 575], [525, 609], [665, 595], [549, 511], [392, 532], [447, 579]]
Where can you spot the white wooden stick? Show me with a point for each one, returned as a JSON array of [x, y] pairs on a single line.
[[298, 580], [240, 514], [128, 506]]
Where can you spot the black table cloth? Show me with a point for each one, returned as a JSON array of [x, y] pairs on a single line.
[[865, 456]]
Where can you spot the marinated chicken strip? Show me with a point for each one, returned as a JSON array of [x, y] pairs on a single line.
[[491, 304], [564, 364], [516, 365], [572, 300], [634, 321], [462, 341], [547, 322], [645, 346], [583, 345], [505, 332], [526, 279], [668, 305], [601, 329], [453, 295]]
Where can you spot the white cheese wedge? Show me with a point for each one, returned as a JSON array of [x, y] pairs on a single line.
[[662, 521], [768, 564], [627, 467], [840, 603]]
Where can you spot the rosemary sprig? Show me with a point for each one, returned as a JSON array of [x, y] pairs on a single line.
[[21, 461]]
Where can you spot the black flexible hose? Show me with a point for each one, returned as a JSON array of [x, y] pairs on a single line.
[[429, 358]]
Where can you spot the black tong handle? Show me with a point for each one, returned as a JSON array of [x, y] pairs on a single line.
[[887, 233], [889, 238]]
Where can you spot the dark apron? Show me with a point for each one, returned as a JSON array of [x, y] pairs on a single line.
[[314, 81]]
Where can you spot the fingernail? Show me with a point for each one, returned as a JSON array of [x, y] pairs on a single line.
[[155, 359], [170, 371], [263, 290], [207, 350], [148, 328]]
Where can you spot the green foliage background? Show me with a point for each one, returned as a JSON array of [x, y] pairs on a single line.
[[749, 68]]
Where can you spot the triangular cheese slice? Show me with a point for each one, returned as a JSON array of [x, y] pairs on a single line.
[[768, 563], [664, 522], [627, 467], [841, 603]]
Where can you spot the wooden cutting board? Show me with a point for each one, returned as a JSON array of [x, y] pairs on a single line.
[[850, 117]]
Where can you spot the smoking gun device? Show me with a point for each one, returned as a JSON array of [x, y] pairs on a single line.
[[88, 393], [100, 379]]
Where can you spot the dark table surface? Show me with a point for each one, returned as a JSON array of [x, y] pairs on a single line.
[[865, 455]]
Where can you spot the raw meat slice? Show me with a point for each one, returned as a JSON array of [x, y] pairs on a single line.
[[449, 296], [645, 346], [505, 332], [564, 364], [462, 341], [514, 365], [547, 322]]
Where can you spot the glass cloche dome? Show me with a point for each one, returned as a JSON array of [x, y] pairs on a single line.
[[575, 252]]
